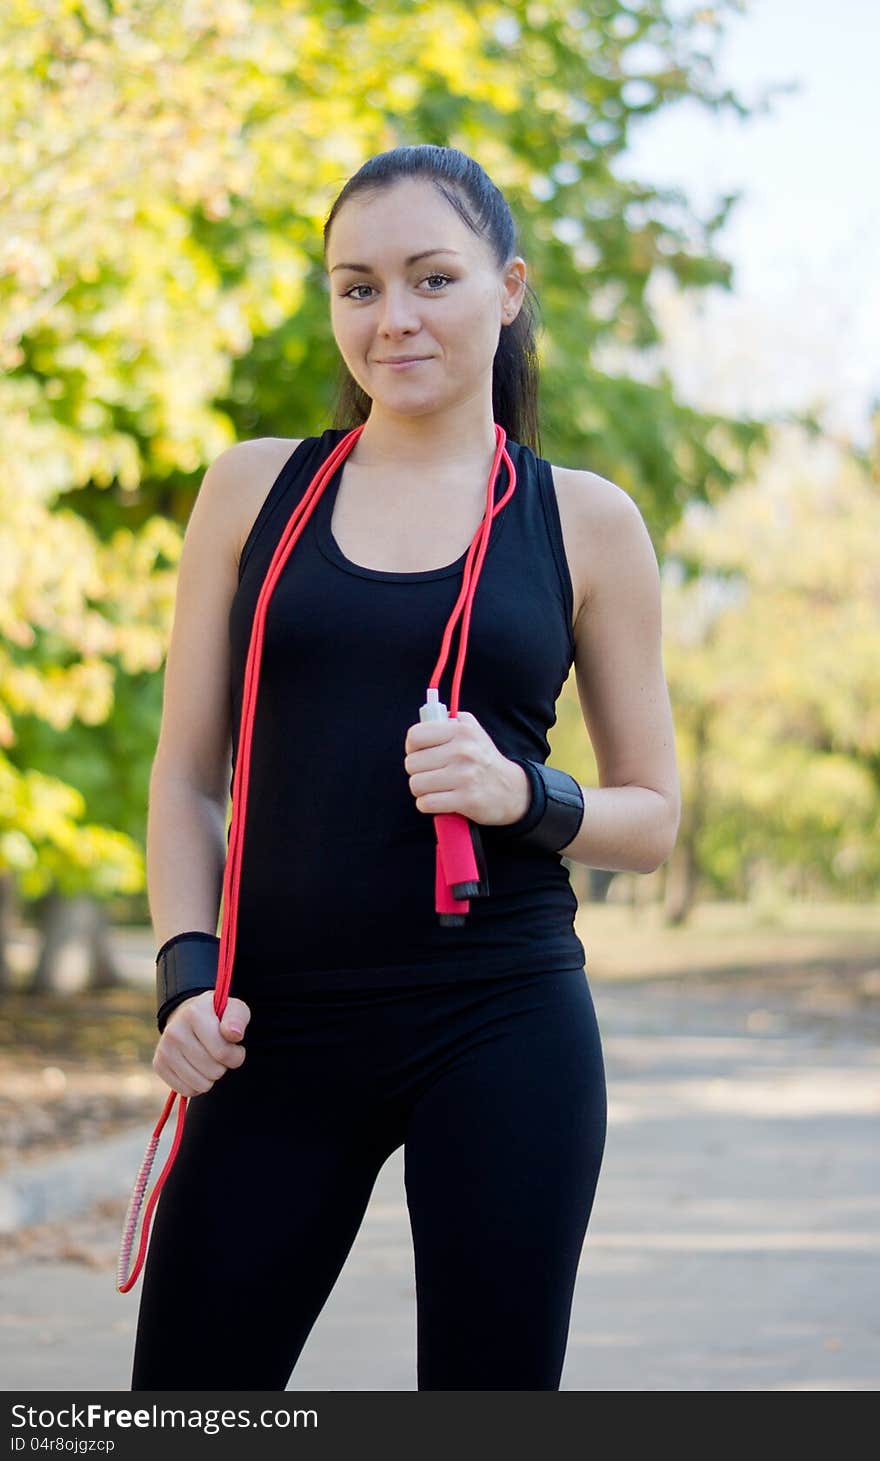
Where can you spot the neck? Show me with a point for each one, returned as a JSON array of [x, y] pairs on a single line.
[[460, 434]]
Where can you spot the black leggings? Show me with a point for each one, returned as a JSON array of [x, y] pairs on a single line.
[[494, 1086]]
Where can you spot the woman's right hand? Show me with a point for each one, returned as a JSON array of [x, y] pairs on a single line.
[[196, 1048]]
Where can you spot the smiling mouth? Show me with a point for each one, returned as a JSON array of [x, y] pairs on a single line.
[[407, 360]]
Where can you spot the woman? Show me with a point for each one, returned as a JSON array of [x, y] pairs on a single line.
[[371, 1023]]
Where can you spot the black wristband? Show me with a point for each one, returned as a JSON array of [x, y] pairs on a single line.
[[186, 965], [554, 815]]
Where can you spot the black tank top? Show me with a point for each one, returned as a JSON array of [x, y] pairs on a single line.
[[337, 873]]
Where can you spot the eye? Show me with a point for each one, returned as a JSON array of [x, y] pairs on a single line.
[[447, 279]]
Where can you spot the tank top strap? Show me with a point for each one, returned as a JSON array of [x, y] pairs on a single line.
[[550, 507], [288, 488]]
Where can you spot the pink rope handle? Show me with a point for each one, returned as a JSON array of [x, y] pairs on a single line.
[[232, 869]]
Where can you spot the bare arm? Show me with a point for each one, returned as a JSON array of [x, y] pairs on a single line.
[[189, 781], [631, 820], [186, 855], [186, 824]]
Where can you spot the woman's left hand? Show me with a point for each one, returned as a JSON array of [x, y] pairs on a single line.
[[454, 766]]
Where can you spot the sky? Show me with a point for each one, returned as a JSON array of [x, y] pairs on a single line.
[[804, 238]]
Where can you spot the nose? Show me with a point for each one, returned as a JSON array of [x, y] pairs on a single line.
[[398, 314]]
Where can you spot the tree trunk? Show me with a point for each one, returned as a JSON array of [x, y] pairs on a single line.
[[683, 876], [7, 903], [75, 953], [600, 881]]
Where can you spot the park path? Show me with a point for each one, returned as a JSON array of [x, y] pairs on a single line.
[[733, 1243]]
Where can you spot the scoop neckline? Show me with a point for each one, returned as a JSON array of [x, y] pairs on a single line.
[[332, 551]]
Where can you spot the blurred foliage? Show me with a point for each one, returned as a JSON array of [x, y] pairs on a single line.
[[167, 169], [772, 641], [771, 649]]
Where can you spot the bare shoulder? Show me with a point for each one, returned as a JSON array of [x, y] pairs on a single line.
[[600, 526], [243, 475]]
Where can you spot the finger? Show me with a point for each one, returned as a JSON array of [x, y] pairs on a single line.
[[436, 802], [232, 1054], [428, 733], [215, 1037], [192, 1047], [177, 1072], [423, 783], [434, 759], [220, 1042], [235, 1019]]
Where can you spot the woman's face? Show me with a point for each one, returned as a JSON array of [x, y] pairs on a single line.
[[446, 308]]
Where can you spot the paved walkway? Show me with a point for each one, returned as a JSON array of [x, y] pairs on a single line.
[[733, 1243]]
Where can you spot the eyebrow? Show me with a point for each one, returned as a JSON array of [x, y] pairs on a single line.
[[413, 259]]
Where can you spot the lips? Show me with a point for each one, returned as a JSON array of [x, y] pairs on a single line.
[[405, 360]]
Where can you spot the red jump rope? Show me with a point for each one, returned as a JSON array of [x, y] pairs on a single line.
[[460, 870]]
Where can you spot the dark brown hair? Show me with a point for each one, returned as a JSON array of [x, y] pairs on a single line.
[[462, 182]]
